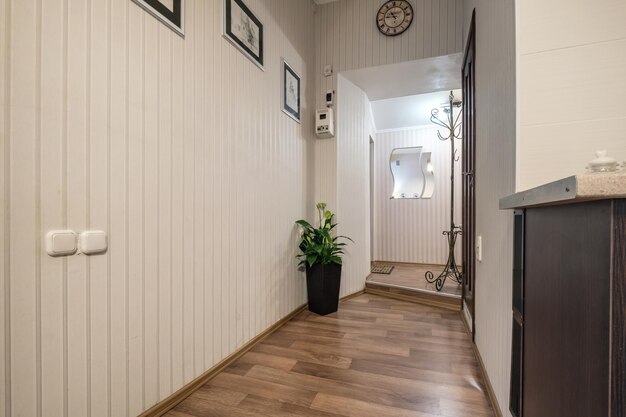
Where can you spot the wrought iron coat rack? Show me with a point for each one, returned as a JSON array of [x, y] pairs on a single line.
[[452, 126]]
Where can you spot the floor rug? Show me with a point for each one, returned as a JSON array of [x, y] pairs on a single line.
[[382, 269]]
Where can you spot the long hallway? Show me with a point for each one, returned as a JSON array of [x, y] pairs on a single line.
[[374, 357]]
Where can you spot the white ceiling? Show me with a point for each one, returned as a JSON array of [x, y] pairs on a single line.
[[402, 95], [409, 78], [408, 111]]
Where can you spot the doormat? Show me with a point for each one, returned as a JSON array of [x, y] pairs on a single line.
[[382, 269]]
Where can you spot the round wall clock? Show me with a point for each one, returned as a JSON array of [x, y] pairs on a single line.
[[394, 17]]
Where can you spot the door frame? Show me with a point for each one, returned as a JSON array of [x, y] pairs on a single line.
[[469, 178]]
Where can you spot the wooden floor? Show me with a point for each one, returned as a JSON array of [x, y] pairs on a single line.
[[412, 276], [375, 357]]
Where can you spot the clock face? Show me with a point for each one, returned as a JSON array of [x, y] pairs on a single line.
[[394, 17]]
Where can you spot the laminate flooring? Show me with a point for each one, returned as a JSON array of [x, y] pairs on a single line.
[[375, 357], [411, 276]]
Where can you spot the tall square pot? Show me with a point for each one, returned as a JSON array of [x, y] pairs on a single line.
[[323, 283]]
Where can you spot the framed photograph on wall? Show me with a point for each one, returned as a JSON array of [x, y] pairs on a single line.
[[170, 12], [290, 94], [244, 30]]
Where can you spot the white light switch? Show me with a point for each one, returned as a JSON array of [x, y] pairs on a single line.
[[479, 248], [61, 242], [93, 242]]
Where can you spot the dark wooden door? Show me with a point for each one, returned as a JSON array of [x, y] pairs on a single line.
[[469, 172]]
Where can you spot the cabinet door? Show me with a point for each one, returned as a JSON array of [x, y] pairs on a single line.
[[566, 310]]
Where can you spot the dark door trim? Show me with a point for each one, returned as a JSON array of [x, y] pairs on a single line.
[[468, 76]]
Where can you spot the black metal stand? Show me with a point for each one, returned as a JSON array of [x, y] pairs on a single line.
[[451, 269], [453, 125]]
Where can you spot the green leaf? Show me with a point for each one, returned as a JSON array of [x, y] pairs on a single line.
[[304, 224], [318, 246]]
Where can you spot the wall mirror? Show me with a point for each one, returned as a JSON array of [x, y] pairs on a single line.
[[412, 173]]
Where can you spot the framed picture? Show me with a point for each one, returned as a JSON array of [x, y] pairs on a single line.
[[170, 12], [244, 30], [290, 92]]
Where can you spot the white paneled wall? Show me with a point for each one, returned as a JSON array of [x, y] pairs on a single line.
[[571, 58], [353, 182], [346, 37], [177, 148], [495, 178], [409, 230]]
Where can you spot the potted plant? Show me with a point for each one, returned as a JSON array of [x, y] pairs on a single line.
[[321, 255]]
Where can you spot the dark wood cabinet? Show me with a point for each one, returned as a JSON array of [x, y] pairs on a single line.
[[569, 311]]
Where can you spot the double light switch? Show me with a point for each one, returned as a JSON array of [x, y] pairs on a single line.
[[68, 242]]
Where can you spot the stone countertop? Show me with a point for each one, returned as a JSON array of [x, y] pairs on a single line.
[[577, 188]]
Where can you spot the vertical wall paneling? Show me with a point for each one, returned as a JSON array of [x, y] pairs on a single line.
[[410, 230], [5, 343], [23, 202], [175, 147], [118, 209], [495, 178], [52, 89]]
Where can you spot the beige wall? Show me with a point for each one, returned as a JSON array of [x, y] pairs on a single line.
[[178, 149], [4, 222], [495, 178], [571, 59], [409, 230]]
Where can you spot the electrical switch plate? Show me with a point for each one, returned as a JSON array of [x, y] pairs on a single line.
[[93, 242], [479, 248], [61, 242]]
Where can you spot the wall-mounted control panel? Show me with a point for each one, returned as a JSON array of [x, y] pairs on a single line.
[[324, 123], [330, 98]]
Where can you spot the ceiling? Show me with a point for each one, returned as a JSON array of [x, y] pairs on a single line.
[[408, 111], [403, 94], [409, 78]]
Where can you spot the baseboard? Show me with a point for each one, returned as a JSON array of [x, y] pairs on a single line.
[[354, 294], [413, 297], [490, 392], [173, 400], [407, 263]]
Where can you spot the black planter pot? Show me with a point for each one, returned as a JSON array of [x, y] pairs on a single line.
[[322, 284]]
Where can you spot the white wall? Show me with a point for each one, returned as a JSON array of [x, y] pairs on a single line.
[[571, 59], [495, 178], [178, 149], [409, 230], [353, 182]]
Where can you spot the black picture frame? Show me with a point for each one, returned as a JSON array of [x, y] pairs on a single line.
[[174, 19], [288, 76], [252, 47]]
